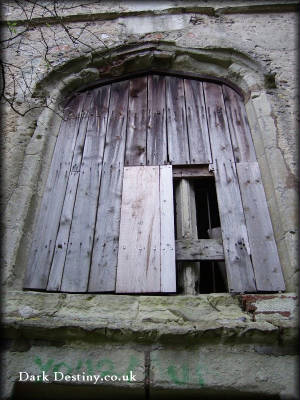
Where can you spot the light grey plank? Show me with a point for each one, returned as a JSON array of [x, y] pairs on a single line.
[[77, 263], [238, 126], [239, 268], [106, 241], [137, 122], [264, 253], [168, 264], [188, 272], [196, 123], [178, 148], [46, 228], [199, 249], [139, 248], [157, 128]]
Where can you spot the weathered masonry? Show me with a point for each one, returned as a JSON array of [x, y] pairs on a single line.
[[110, 141], [150, 200]]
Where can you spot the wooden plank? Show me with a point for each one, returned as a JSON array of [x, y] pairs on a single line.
[[239, 268], [199, 249], [196, 123], [188, 272], [46, 228], [167, 239], [178, 148], [241, 139], [264, 253], [137, 122], [106, 240], [78, 258], [217, 122], [66, 217], [201, 171], [139, 248], [157, 128]]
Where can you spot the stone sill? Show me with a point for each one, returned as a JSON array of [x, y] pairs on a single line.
[[151, 319]]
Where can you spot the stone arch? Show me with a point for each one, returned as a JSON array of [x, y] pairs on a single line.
[[222, 63]]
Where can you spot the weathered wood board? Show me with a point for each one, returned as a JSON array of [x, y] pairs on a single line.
[[66, 218], [188, 272], [139, 244], [196, 123], [156, 128], [178, 144], [78, 259], [199, 171], [168, 264], [264, 254], [199, 249], [239, 268], [136, 123], [46, 227], [105, 249], [242, 143]]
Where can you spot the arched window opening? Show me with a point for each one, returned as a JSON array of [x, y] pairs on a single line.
[[154, 187]]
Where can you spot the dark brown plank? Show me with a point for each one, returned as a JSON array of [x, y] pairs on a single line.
[[199, 249], [105, 250], [264, 254], [157, 128], [178, 144], [46, 228], [238, 126], [137, 122], [196, 123], [239, 268], [78, 258]]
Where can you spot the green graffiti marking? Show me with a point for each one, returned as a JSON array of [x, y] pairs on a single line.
[[174, 377], [44, 367], [133, 363], [109, 367], [57, 368], [199, 372]]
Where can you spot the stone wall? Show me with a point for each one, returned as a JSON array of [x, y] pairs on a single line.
[[174, 340]]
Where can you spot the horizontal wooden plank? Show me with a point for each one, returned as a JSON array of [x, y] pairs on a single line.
[[200, 171], [199, 249]]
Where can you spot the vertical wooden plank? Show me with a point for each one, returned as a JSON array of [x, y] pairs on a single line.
[[196, 123], [139, 250], [137, 122], [157, 129], [53, 198], [189, 272], [239, 268], [77, 262], [242, 143], [178, 145], [264, 254], [168, 264], [106, 240], [65, 220]]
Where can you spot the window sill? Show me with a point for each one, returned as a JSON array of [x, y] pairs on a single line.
[[151, 319]]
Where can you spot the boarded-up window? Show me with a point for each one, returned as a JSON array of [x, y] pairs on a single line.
[[106, 220]]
